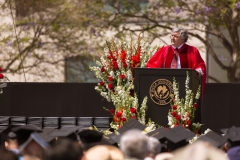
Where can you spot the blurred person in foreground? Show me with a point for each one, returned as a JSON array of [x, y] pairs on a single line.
[[134, 145], [179, 55], [199, 150], [34, 147], [154, 148], [64, 149], [103, 152], [7, 155]]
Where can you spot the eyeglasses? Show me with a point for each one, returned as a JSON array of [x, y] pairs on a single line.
[[174, 36]]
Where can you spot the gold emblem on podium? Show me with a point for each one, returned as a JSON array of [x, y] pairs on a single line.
[[161, 92]]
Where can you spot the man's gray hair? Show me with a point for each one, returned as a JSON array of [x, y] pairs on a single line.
[[183, 33], [154, 146], [133, 144]]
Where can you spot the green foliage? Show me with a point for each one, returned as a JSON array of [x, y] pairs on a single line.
[[73, 27]]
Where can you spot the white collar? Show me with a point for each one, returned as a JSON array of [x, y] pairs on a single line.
[[178, 46]]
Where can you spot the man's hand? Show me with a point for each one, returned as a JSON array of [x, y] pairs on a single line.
[[200, 72]]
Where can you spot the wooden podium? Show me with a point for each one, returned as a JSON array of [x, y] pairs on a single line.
[[156, 84]]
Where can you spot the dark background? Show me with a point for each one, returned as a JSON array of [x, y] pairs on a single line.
[[220, 107]]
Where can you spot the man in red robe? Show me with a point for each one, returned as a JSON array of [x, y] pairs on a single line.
[[179, 55]]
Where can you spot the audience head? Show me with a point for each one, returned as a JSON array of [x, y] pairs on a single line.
[[64, 149], [164, 156], [7, 155], [90, 138], [12, 143], [104, 152], [133, 144], [233, 146], [199, 150], [154, 146], [24, 132], [177, 137], [34, 147]]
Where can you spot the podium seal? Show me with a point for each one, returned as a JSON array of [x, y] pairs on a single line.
[[161, 92]]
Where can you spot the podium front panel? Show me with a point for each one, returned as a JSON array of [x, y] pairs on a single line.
[[145, 81]]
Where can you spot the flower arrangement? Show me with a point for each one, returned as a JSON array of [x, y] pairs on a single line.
[[183, 111], [197, 136], [2, 79], [114, 71]]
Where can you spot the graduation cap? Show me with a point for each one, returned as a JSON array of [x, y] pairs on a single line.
[[157, 133], [23, 132], [34, 137], [131, 124], [177, 137], [45, 134], [109, 140], [5, 132], [23, 128], [233, 135], [90, 136], [65, 132], [214, 139]]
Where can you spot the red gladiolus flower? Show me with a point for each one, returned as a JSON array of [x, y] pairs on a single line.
[[115, 65], [174, 114], [134, 117], [111, 110], [110, 86], [110, 78], [133, 110], [188, 122], [136, 58], [123, 119], [102, 69], [178, 117], [122, 76], [124, 65], [118, 114], [123, 55], [101, 83], [174, 107], [115, 119], [1, 76], [195, 105], [110, 57]]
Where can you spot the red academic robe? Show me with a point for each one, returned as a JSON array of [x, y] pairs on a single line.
[[189, 58]]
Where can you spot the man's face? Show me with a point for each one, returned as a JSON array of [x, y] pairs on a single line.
[[176, 40]]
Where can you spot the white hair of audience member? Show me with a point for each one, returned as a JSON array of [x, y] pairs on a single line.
[[133, 144], [154, 146], [199, 150]]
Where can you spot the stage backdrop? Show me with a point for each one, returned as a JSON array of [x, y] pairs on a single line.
[[220, 108]]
